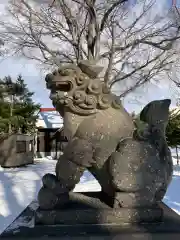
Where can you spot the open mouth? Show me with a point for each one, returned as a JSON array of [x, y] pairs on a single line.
[[64, 86]]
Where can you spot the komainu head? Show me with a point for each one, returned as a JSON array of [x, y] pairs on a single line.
[[79, 90]]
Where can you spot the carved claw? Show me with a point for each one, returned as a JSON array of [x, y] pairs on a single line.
[[51, 182], [53, 194], [48, 200]]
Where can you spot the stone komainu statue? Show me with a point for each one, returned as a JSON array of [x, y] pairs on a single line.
[[132, 168]]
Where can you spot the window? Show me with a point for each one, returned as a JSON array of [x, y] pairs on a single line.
[[20, 146], [31, 146]]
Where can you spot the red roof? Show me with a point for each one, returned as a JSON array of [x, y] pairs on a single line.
[[47, 109]]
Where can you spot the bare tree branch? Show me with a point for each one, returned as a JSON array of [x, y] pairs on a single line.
[[134, 48], [108, 12], [111, 55]]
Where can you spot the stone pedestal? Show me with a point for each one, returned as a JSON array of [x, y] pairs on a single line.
[[87, 208], [90, 221]]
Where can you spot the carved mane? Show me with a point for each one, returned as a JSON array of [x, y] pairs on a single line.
[[87, 93]]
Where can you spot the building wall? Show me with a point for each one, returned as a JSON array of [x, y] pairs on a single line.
[[49, 118], [49, 142]]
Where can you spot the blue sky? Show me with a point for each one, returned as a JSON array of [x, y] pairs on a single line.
[[35, 80], [31, 74]]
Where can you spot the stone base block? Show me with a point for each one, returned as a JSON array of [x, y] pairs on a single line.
[[87, 208], [77, 221], [104, 216]]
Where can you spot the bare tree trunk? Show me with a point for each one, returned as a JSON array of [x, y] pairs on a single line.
[[11, 113], [177, 155]]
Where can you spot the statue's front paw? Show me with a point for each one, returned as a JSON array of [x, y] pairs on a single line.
[[49, 181], [48, 200]]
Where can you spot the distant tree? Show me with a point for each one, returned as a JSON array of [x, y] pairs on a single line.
[[173, 131], [18, 112]]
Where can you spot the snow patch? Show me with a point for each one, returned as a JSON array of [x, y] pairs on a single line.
[[20, 186]]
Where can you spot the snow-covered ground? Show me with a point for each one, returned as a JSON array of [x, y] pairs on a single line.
[[18, 187]]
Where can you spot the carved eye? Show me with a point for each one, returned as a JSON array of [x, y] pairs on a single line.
[[79, 80], [64, 72], [82, 79]]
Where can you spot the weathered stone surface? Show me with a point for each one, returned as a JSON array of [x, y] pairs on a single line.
[[105, 216], [143, 164], [133, 166], [94, 121], [16, 150], [133, 200], [24, 227], [91, 69], [89, 209]]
